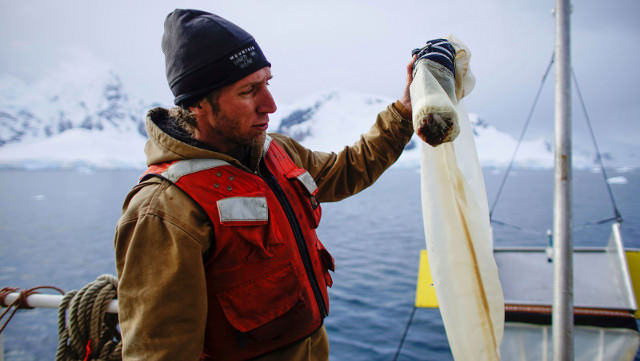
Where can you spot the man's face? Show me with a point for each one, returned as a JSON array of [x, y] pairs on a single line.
[[243, 114]]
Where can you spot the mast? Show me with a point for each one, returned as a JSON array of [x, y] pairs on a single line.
[[562, 318]]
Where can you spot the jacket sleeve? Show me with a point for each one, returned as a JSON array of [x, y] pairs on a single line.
[[355, 167], [162, 290]]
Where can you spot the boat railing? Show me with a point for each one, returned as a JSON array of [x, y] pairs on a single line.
[[48, 301]]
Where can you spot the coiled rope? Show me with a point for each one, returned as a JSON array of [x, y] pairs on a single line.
[[90, 333]]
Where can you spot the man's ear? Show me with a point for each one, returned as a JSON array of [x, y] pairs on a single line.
[[198, 112], [196, 108]]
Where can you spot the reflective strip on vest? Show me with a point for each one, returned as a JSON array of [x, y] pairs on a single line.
[[242, 209], [307, 180], [184, 167], [267, 142]]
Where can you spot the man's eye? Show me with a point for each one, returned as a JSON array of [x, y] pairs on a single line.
[[247, 91]]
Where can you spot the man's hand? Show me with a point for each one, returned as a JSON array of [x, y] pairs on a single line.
[[406, 96]]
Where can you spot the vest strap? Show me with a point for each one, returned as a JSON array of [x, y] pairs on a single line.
[[181, 168], [267, 143], [307, 180]]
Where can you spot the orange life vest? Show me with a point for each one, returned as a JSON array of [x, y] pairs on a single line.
[[267, 273]]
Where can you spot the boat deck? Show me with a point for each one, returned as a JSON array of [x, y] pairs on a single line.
[[600, 278]]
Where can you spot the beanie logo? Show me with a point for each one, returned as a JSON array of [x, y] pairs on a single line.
[[244, 57]]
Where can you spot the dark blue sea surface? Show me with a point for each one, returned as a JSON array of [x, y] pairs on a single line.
[[56, 228]]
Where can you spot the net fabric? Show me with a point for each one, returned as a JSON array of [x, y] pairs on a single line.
[[533, 342], [456, 223]]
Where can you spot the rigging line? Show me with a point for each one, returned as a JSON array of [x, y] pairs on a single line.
[[606, 220], [617, 214], [602, 221], [524, 130], [521, 229], [501, 223], [595, 223], [404, 335]]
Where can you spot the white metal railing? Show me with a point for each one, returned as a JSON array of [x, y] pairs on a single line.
[[38, 300], [50, 301], [615, 242]]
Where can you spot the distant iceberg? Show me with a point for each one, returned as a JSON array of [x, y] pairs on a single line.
[[617, 180]]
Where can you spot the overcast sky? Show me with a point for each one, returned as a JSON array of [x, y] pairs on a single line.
[[362, 46]]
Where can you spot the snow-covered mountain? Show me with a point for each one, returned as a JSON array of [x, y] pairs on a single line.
[[91, 98], [79, 115], [331, 120], [82, 116]]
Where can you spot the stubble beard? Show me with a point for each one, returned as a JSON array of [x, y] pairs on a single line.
[[238, 142]]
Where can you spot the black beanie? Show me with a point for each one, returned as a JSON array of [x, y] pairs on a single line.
[[204, 52]]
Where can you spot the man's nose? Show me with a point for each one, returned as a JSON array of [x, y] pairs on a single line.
[[266, 104]]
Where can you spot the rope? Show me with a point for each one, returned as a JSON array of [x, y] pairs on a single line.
[[404, 335], [20, 302], [90, 333], [616, 213], [524, 130], [530, 231]]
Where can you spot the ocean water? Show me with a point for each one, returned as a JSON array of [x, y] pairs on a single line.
[[56, 228]]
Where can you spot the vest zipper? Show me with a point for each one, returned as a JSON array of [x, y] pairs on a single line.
[[297, 232]]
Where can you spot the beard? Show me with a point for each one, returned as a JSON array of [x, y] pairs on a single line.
[[241, 143]]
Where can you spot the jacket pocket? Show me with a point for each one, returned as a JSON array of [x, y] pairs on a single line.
[[245, 220], [307, 187], [265, 308], [328, 262]]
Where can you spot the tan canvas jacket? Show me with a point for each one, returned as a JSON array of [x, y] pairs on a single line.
[[162, 235]]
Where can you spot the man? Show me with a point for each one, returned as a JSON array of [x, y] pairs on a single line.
[[216, 250]]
